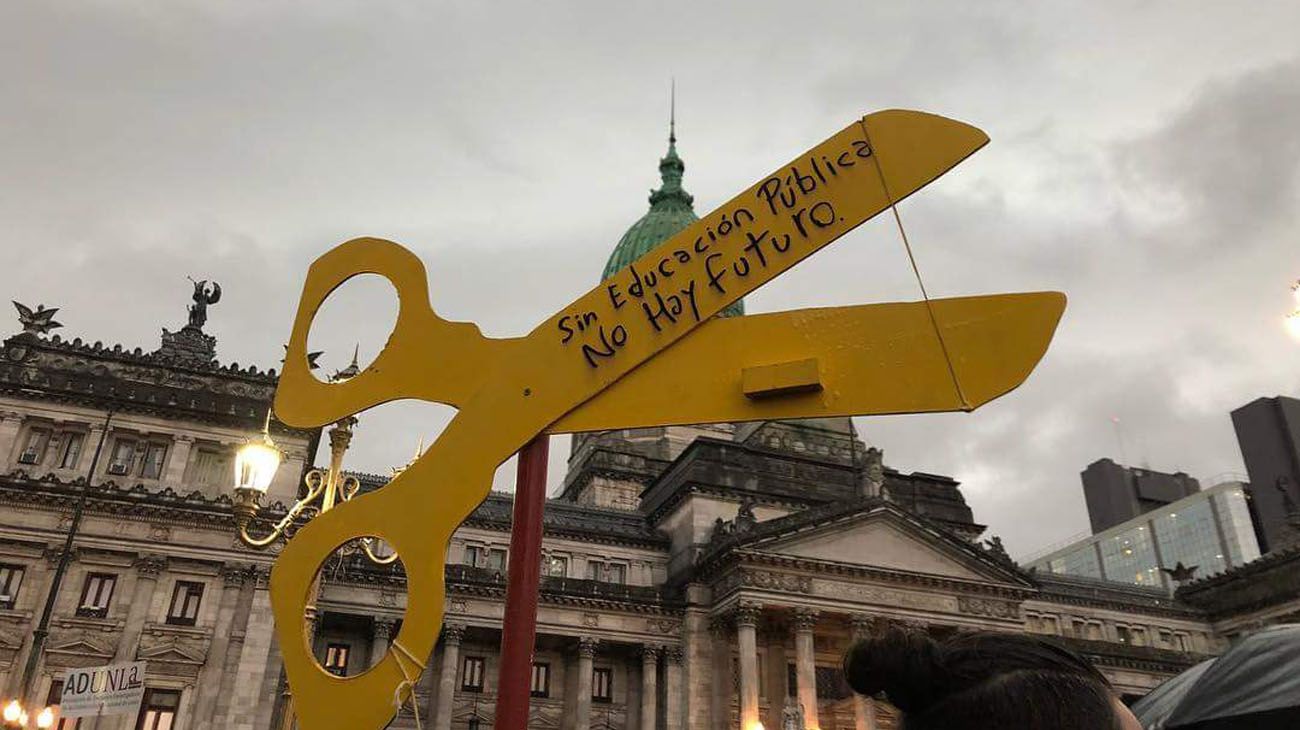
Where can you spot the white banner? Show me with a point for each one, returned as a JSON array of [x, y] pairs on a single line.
[[116, 689]]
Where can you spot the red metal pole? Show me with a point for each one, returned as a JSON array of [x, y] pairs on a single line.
[[524, 571]]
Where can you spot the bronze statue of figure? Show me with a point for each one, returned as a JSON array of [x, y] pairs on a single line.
[[203, 296]]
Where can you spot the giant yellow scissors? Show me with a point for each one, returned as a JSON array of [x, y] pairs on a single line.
[[620, 356]]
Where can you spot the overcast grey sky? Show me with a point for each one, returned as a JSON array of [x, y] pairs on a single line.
[[1144, 160]]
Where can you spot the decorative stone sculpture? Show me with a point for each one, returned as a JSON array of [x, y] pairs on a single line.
[[203, 296], [792, 715], [39, 322]]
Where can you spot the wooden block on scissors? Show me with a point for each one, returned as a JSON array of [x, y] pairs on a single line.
[[783, 378]]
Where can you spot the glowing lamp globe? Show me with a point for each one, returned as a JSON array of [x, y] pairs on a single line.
[[13, 711], [45, 719], [1292, 323], [255, 465]]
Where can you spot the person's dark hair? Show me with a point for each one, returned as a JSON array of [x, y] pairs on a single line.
[[981, 681]]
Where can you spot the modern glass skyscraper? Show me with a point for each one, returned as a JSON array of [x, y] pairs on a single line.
[[1210, 530]]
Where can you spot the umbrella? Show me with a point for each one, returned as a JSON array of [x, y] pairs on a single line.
[[1254, 685]]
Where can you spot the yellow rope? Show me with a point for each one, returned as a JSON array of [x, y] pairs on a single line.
[[408, 682], [902, 232]]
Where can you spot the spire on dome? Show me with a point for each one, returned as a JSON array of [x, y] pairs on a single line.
[[671, 194], [670, 211]]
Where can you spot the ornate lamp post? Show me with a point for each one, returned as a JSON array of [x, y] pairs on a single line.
[[255, 465]]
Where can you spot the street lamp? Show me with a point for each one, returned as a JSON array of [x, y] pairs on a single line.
[[13, 713], [256, 463]]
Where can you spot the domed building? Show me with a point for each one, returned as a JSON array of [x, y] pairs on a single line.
[[671, 210]]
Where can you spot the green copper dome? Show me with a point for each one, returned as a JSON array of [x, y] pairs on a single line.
[[670, 212]]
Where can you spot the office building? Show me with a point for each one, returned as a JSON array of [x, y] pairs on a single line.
[[1210, 531], [1268, 433], [1116, 493]]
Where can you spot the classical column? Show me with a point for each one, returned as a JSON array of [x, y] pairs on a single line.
[[451, 636], [720, 717], [747, 644], [147, 569], [805, 664], [88, 450], [233, 578], [186, 710], [10, 422], [674, 709], [649, 678], [177, 458], [864, 708], [582, 702], [384, 628], [239, 631]]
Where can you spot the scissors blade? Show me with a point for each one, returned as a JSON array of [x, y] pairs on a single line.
[[868, 360]]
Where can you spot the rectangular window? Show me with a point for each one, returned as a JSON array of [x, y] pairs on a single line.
[[1138, 636], [11, 578], [158, 712], [123, 457], [556, 566], [96, 594], [34, 449], [184, 609], [1183, 642], [541, 686], [71, 451], [595, 569], [471, 674], [210, 467], [1125, 637], [601, 684], [617, 573], [336, 659], [154, 457], [791, 680], [473, 556], [496, 560], [53, 700]]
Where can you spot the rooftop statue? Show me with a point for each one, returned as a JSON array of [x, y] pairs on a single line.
[[39, 322], [203, 296]]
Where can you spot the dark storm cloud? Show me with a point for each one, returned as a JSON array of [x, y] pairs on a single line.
[[1143, 160]]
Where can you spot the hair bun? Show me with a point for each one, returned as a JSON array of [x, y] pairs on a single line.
[[908, 666]]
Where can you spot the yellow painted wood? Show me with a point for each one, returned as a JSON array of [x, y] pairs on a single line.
[[509, 390], [874, 359], [783, 378]]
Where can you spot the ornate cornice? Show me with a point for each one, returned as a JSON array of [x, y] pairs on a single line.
[[803, 569], [1112, 596], [19, 490]]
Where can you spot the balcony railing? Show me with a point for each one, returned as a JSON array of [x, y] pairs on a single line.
[[557, 585]]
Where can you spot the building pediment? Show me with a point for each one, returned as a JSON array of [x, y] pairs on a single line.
[[171, 649], [875, 535], [81, 646], [878, 543]]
